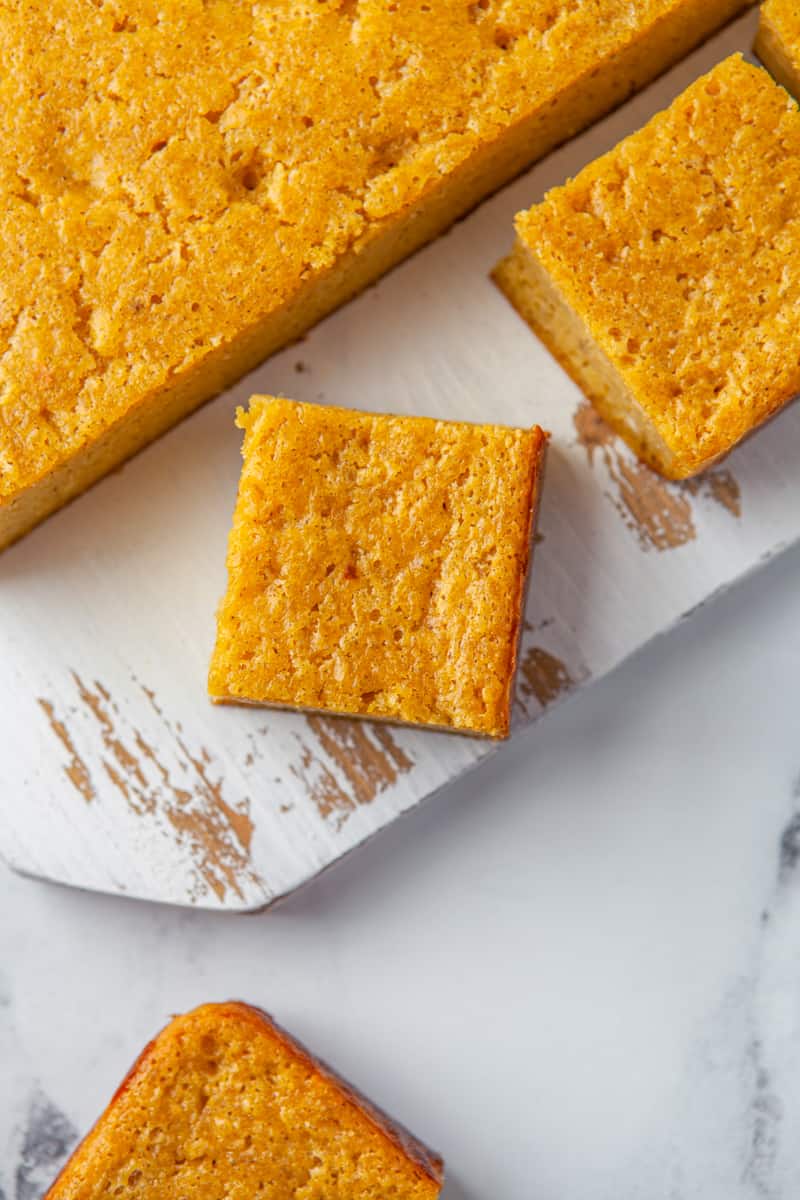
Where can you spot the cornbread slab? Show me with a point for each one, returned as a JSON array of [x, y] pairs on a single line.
[[224, 1102], [377, 566], [778, 42], [116, 772], [187, 186], [666, 275]]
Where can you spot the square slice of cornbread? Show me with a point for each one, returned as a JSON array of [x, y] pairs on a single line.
[[778, 42], [377, 565], [187, 186], [666, 276], [224, 1103]]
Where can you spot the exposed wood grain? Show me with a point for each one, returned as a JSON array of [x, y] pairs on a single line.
[[117, 774], [217, 832], [75, 770]]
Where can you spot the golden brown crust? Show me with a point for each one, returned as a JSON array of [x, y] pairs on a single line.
[[536, 482], [54, 1192], [664, 276], [79, 1175], [777, 42], [511, 277], [429, 1163], [166, 228], [376, 566]]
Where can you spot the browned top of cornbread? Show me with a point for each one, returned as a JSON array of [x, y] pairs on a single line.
[[680, 249], [376, 565], [778, 42], [783, 16], [223, 1102], [171, 170]]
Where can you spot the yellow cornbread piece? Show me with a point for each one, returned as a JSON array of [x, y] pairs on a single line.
[[225, 1104], [377, 565], [189, 184], [778, 41], [666, 276]]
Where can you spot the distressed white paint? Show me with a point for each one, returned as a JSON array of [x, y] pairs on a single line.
[[116, 594]]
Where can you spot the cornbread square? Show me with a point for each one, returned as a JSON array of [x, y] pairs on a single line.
[[666, 276], [186, 186], [778, 42], [377, 566], [225, 1104]]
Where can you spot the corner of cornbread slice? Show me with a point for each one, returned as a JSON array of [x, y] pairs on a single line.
[[225, 1103], [186, 187], [377, 566], [777, 42], [666, 276]]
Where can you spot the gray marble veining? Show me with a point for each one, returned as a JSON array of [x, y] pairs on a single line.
[[577, 974]]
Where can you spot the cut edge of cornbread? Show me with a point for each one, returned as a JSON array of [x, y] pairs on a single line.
[[538, 288], [774, 53], [554, 120], [372, 718], [534, 295], [499, 731], [427, 1164]]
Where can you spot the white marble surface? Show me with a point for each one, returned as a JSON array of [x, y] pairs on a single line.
[[596, 998]]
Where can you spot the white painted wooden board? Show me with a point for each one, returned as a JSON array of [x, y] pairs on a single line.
[[116, 774]]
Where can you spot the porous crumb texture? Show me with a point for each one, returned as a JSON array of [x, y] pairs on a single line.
[[778, 41], [377, 565], [678, 253], [188, 185], [223, 1103]]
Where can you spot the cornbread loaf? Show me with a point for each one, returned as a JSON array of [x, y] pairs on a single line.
[[666, 276], [778, 42], [224, 1103], [377, 566], [187, 186]]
